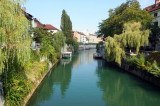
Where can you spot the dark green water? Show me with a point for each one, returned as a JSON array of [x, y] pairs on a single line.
[[88, 82]]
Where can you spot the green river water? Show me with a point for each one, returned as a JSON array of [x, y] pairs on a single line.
[[83, 81]]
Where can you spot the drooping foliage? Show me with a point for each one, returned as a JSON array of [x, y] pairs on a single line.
[[113, 50], [126, 12], [133, 37], [19, 83], [14, 39], [14, 50]]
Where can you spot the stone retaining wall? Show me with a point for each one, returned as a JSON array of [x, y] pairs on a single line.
[[143, 74]]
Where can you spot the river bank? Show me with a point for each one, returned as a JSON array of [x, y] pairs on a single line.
[[38, 82], [132, 69], [142, 74]]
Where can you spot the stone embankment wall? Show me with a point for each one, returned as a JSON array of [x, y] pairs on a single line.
[[143, 74], [39, 81]]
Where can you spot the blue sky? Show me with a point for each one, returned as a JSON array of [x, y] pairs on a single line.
[[85, 14]]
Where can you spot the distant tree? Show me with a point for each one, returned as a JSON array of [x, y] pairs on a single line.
[[66, 24], [66, 27], [126, 12]]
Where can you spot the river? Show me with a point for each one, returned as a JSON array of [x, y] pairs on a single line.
[[84, 81]]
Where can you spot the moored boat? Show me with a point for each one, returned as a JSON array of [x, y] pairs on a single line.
[[97, 56], [66, 55]]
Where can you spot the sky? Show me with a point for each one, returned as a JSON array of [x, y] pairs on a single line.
[[85, 14]]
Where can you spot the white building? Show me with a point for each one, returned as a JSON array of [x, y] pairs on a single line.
[[92, 38], [51, 28], [80, 37], [86, 38], [83, 38], [154, 10], [35, 23]]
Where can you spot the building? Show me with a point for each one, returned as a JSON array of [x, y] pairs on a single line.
[[35, 23], [76, 35], [80, 37], [86, 38], [154, 10], [92, 38], [51, 28], [83, 38]]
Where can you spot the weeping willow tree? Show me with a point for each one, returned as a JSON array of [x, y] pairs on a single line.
[[14, 39], [114, 51], [133, 37], [14, 49]]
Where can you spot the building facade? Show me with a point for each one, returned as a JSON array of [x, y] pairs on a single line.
[[154, 10], [35, 23], [80, 37]]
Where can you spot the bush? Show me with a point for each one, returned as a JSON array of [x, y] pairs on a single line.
[[16, 88], [155, 69], [142, 63]]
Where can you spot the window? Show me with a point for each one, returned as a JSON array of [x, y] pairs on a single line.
[[156, 24], [155, 14]]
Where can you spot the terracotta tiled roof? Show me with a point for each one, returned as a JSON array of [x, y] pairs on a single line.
[[50, 27], [39, 24], [153, 7]]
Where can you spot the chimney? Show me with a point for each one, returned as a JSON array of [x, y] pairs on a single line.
[[24, 9], [156, 1]]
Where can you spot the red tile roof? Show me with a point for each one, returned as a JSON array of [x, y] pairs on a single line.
[[39, 24], [153, 7], [50, 27]]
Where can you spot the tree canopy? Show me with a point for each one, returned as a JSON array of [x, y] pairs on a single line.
[[66, 24], [126, 12], [51, 44], [133, 37], [14, 38], [66, 27]]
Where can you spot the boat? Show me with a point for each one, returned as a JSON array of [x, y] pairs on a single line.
[[97, 56], [66, 55]]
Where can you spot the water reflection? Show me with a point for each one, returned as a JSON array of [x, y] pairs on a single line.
[[120, 89], [84, 81], [66, 61], [59, 77]]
